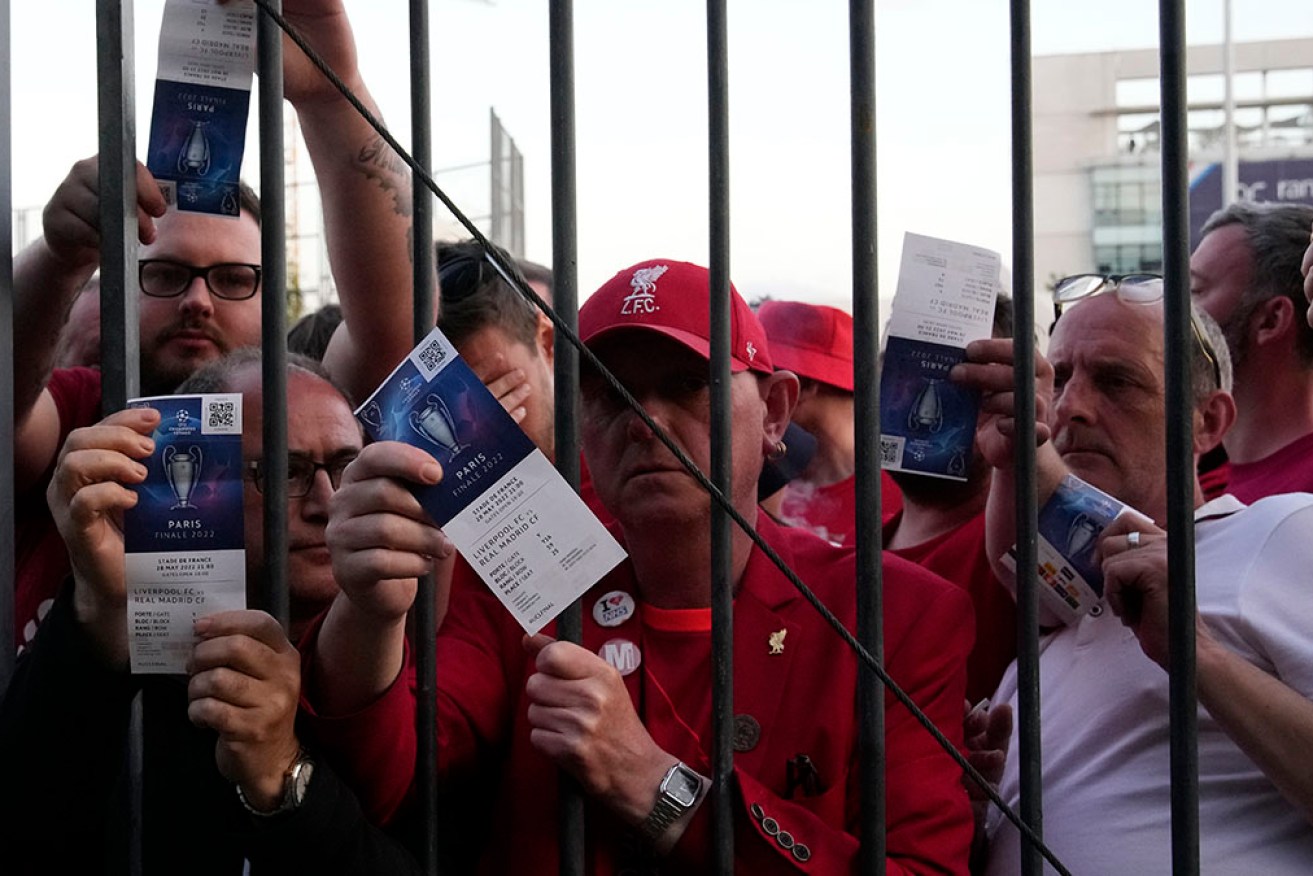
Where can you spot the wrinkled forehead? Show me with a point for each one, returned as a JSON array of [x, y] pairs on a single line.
[[1107, 324]]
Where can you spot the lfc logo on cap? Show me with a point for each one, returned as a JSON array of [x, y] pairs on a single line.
[[643, 299], [613, 609]]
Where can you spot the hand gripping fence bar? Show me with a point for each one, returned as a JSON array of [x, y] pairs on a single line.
[[507, 273]]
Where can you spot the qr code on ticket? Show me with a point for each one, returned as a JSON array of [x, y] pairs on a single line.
[[432, 356], [891, 451], [222, 416]]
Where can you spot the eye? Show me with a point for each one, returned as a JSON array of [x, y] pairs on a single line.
[[597, 391], [297, 466], [694, 383]]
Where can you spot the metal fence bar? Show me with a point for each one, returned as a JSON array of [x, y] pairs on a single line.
[[866, 361], [722, 587], [1023, 273], [1180, 453], [423, 258], [273, 303], [118, 309], [565, 295], [118, 204], [8, 520]]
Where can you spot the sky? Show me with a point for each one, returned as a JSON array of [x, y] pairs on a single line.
[[943, 124]]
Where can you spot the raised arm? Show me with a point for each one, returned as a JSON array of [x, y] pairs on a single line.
[[366, 196], [989, 369], [48, 275], [381, 541]]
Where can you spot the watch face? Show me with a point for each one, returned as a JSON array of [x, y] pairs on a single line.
[[300, 781], [683, 786]]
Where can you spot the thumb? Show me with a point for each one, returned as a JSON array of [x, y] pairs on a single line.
[[535, 644]]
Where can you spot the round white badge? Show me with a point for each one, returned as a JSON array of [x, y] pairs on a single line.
[[613, 609], [622, 654]]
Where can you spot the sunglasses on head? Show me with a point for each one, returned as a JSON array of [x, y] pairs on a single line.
[[1133, 289]]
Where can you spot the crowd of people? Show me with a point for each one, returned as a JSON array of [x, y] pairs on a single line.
[[294, 750]]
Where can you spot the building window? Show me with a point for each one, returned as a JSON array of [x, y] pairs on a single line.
[[1132, 258]]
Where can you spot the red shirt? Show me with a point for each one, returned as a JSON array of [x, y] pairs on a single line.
[[41, 558], [959, 556], [1289, 470], [831, 511], [800, 697]]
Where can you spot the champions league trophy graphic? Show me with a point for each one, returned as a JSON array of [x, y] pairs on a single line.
[[195, 155], [182, 469], [373, 415], [435, 424], [927, 413], [1081, 535]]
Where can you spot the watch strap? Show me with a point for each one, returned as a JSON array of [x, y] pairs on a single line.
[[667, 808], [295, 780]]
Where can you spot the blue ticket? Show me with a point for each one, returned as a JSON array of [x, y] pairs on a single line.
[[512, 516], [927, 422], [197, 136], [945, 299], [1070, 523], [184, 539], [202, 100]]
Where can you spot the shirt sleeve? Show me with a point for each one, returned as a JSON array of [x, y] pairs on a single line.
[[1276, 604]]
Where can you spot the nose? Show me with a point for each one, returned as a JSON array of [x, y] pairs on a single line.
[[1074, 403], [196, 299], [637, 430]]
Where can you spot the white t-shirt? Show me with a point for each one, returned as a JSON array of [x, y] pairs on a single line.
[[1104, 713]]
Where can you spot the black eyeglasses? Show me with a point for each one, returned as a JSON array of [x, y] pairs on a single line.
[[233, 281], [1134, 289], [301, 472]]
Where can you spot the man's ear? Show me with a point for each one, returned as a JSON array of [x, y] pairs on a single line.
[[1213, 418], [780, 393], [546, 338], [1274, 319]]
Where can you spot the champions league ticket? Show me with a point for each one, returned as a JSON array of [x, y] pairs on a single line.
[[185, 555], [202, 94], [511, 515], [1070, 524], [944, 300]]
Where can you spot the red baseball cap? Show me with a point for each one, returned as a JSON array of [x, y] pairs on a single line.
[[673, 298], [811, 340]]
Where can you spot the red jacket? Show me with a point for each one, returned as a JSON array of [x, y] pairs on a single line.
[[803, 699]]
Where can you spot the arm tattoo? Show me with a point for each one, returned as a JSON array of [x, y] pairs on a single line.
[[378, 162]]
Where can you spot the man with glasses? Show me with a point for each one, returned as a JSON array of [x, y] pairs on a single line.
[[200, 282], [1104, 707], [1246, 273], [239, 784]]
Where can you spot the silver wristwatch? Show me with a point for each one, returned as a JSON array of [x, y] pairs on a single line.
[[295, 782], [678, 792]]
